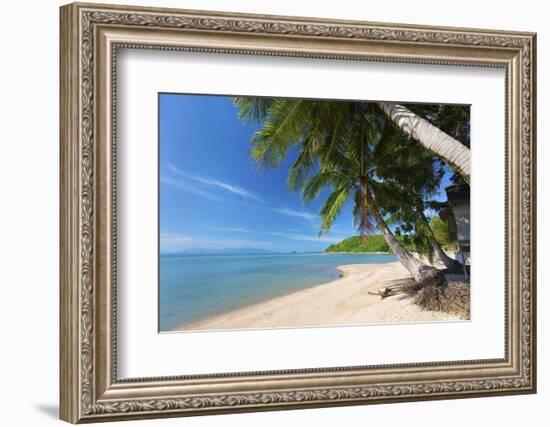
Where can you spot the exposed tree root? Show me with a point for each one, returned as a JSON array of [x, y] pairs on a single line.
[[429, 276], [453, 298], [432, 291]]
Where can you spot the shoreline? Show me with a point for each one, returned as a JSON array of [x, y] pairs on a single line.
[[358, 253], [343, 301]]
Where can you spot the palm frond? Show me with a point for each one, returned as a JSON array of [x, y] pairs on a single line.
[[363, 219], [288, 124], [252, 109], [325, 178], [332, 207]]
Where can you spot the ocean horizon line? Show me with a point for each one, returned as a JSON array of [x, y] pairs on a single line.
[[221, 253]]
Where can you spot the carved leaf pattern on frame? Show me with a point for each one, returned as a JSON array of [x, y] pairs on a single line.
[[89, 18]]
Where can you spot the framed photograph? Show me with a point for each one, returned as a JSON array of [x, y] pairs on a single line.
[[264, 212]]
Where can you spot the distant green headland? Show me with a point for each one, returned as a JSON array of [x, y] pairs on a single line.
[[373, 243], [377, 243]]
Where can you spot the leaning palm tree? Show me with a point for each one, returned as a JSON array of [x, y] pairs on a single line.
[[334, 143], [452, 264], [412, 220], [450, 149], [410, 178], [431, 137]]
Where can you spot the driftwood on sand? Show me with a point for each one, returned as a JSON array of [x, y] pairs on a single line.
[[395, 287]]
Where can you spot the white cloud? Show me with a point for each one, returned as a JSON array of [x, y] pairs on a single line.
[[174, 237], [174, 169], [233, 229], [235, 243], [170, 242], [290, 234], [188, 187], [295, 236], [297, 214], [174, 242], [211, 182], [228, 187]]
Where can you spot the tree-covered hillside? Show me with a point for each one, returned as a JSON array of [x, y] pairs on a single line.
[[373, 243], [377, 243]]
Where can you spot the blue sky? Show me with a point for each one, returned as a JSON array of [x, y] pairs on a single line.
[[212, 195]]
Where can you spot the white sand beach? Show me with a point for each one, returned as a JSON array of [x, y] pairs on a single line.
[[345, 301]]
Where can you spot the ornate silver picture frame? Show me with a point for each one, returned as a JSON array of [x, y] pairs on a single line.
[[91, 35]]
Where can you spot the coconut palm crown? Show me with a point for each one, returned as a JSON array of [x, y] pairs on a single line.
[[335, 144]]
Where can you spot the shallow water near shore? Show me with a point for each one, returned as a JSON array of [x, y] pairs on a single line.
[[193, 287]]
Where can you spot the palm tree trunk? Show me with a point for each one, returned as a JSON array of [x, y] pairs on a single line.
[[408, 260], [425, 275], [451, 264], [434, 139]]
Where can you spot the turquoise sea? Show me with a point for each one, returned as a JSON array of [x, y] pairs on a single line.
[[193, 287]]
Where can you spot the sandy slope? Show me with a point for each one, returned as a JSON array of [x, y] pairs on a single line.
[[342, 302]]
